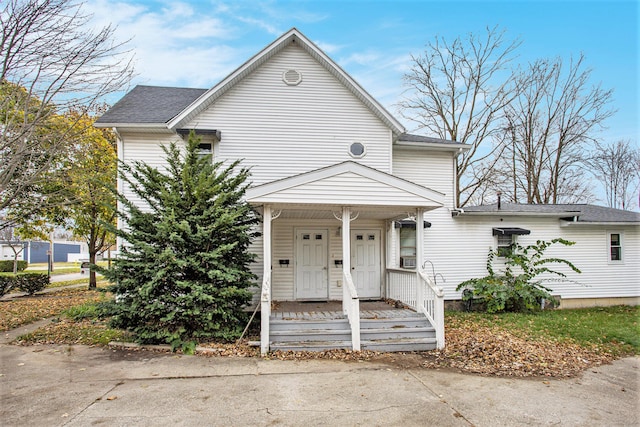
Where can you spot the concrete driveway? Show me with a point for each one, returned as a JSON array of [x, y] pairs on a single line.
[[81, 386]]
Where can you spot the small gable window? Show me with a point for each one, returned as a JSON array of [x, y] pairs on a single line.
[[357, 150]]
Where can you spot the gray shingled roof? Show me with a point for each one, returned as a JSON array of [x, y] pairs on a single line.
[[150, 104], [407, 137], [586, 213]]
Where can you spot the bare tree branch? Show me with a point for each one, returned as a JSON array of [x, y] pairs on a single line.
[[458, 91], [617, 167], [50, 62], [552, 125]]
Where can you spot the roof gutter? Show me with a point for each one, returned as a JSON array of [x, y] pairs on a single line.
[[506, 213], [460, 148], [607, 223], [131, 125]]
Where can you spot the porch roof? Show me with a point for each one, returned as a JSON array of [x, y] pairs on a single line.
[[345, 184]]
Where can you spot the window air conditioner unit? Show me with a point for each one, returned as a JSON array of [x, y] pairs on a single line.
[[408, 262]]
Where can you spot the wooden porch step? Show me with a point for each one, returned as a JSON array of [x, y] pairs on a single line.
[[310, 335], [382, 330], [310, 346], [392, 345], [299, 324], [396, 333], [392, 323]]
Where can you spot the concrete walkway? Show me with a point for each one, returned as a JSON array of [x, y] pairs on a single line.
[[80, 386]]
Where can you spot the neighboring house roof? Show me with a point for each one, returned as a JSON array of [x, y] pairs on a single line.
[[578, 213], [149, 105], [410, 140]]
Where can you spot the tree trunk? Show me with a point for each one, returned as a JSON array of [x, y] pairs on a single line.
[[93, 250]]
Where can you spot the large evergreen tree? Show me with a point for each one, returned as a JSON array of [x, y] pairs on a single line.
[[183, 274]]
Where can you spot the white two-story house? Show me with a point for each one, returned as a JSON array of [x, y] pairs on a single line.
[[354, 209]]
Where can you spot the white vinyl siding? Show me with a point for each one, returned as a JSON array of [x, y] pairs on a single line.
[[458, 248], [281, 130], [431, 169]]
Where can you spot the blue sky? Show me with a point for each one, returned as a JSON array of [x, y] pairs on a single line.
[[197, 43]]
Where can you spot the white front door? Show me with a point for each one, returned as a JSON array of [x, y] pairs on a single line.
[[312, 280], [365, 262]]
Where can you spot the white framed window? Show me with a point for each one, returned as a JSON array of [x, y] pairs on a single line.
[[408, 247], [615, 247], [506, 238], [505, 244], [205, 148]]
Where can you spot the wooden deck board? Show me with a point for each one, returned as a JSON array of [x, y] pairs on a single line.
[[295, 310]]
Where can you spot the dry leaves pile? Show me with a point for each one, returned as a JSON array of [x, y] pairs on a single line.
[[67, 331], [30, 309], [471, 347], [494, 351]]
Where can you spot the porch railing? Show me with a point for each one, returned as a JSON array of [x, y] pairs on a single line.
[[419, 291], [265, 313], [351, 308]]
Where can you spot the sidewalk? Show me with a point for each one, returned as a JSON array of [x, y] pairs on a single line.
[[58, 385]]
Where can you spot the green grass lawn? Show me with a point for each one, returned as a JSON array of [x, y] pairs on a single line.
[[615, 328], [58, 268]]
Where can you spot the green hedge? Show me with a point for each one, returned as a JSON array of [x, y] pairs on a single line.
[[29, 283], [7, 266]]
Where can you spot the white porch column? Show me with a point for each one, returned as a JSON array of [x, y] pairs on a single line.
[[419, 255], [346, 251], [265, 294]]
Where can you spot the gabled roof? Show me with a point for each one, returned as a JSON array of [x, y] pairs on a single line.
[[293, 36], [150, 105], [582, 213], [346, 183]]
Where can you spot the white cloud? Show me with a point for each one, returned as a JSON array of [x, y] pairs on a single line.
[[173, 44], [328, 48], [271, 29]]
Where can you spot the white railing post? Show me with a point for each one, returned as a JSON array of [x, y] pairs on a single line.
[[346, 257], [438, 316], [419, 257], [265, 294], [350, 301]]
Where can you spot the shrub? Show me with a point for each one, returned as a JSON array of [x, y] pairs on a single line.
[[32, 282], [184, 275], [514, 289], [6, 284], [7, 266], [82, 312]]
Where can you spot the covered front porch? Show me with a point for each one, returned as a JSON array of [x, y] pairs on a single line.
[[329, 235]]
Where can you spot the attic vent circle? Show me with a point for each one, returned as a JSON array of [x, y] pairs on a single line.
[[292, 77]]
